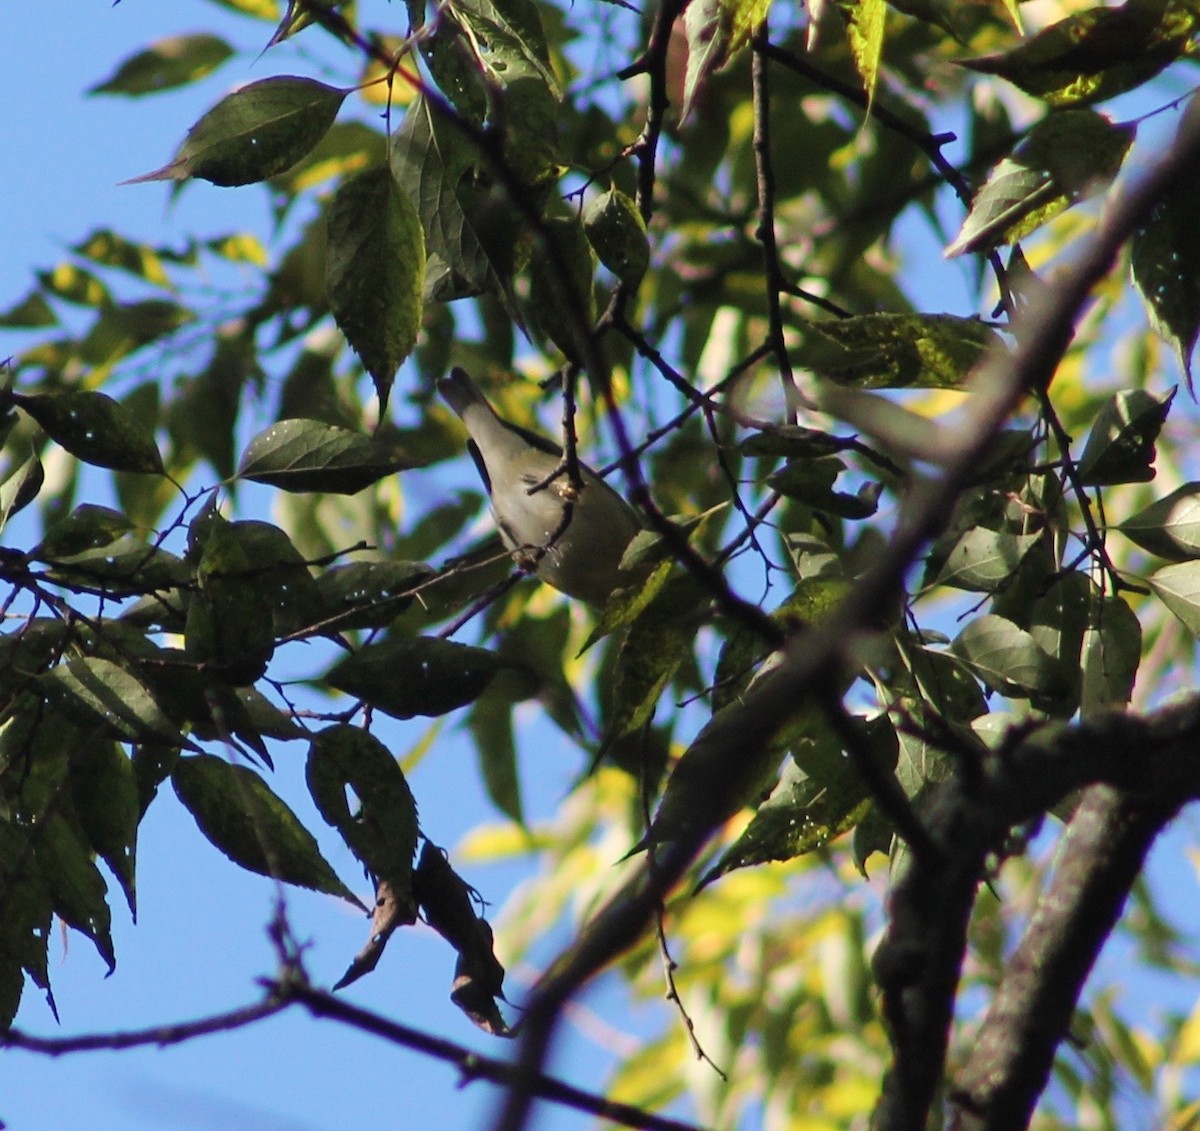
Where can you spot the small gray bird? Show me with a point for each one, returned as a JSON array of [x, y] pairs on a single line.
[[584, 560]]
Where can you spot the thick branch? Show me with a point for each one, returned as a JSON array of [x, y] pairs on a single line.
[[1100, 857]]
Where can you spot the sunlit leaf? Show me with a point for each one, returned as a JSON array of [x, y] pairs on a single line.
[[1069, 156], [1097, 53], [1120, 447], [865, 20], [1170, 527], [1178, 587]]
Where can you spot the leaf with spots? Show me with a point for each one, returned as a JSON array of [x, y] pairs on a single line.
[[94, 428]]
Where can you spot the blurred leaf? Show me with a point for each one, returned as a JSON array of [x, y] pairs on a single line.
[[1097, 53], [1069, 156], [1170, 527], [896, 351], [165, 64], [31, 312], [1120, 447]]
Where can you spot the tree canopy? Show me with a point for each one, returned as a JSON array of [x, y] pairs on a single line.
[[874, 741]]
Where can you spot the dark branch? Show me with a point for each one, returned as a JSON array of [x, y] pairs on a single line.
[[1100, 857]]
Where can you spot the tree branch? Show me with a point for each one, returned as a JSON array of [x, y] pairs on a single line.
[[470, 1064], [1099, 859]]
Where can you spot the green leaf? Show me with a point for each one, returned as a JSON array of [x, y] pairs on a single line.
[[375, 272], [563, 303], [1165, 262], [896, 351], [1110, 655], [865, 20], [490, 722], [421, 676], [803, 813], [1098, 53], [381, 830], [259, 9], [104, 790], [658, 641], [943, 682], [1069, 156], [229, 620], [1120, 447], [368, 594], [20, 488], [94, 428], [1004, 656], [92, 692], [76, 887], [104, 246], [716, 30], [236, 810], [165, 64], [298, 17], [1178, 587], [1169, 528], [507, 45], [254, 133], [617, 233], [984, 561], [30, 312], [309, 455], [470, 231], [811, 481]]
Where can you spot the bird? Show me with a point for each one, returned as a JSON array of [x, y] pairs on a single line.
[[580, 554]]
